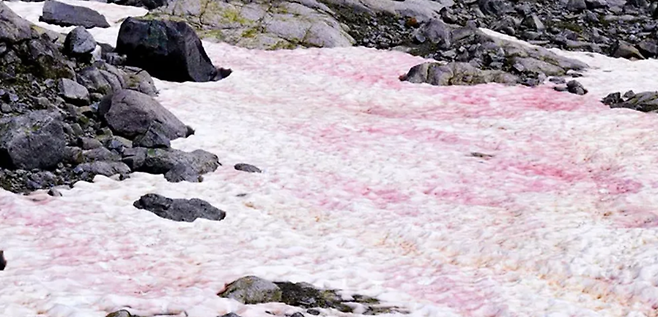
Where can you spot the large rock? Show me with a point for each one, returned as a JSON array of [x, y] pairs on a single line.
[[176, 165], [255, 290], [646, 101], [252, 290], [152, 44], [33, 140], [130, 113], [13, 28], [73, 92], [186, 210], [79, 42], [456, 74], [67, 15]]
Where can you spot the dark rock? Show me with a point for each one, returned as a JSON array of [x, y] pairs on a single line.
[[67, 15], [247, 168], [183, 173], [100, 154], [149, 4], [33, 140], [313, 312], [54, 192], [297, 314], [89, 143], [575, 87], [533, 22], [493, 7], [149, 44], [79, 42], [646, 101], [152, 138], [73, 92], [186, 210], [106, 168], [130, 113], [230, 315], [648, 48], [120, 313], [139, 80], [3, 262], [613, 98], [175, 164]]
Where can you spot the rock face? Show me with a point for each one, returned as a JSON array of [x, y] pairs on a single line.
[[151, 44], [255, 290], [311, 23], [33, 140], [66, 15], [131, 114], [186, 210]]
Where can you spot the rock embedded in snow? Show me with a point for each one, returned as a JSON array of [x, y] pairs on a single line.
[[252, 290], [646, 101], [120, 313], [3, 262], [247, 168], [255, 290], [149, 4], [132, 114], [456, 74], [63, 14], [168, 50], [176, 165], [186, 210], [79, 43]]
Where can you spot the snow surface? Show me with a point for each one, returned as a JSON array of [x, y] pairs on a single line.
[[369, 186]]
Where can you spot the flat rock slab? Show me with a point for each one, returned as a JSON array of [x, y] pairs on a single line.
[[67, 15], [186, 210]]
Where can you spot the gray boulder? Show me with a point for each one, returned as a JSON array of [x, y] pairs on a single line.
[[456, 74], [106, 168], [33, 140], [79, 42], [13, 28], [130, 113], [73, 92], [177, 165], [186, 210], [150, 44], [67, 15], [247, 168], [646, 101]]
